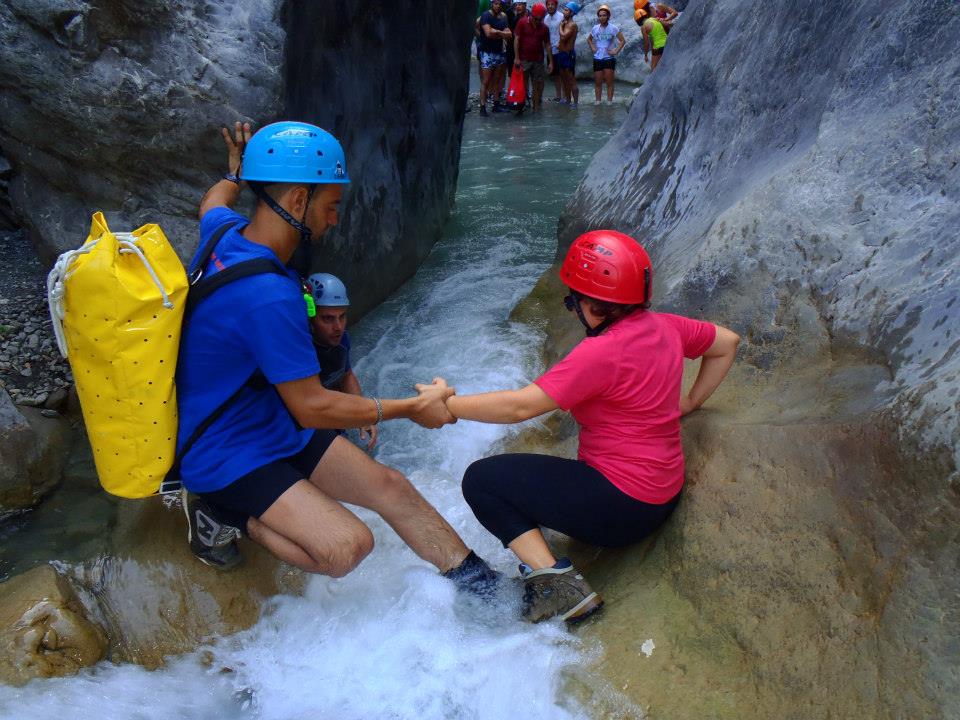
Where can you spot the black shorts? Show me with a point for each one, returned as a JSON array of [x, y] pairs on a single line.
[[657, 51], [556, 65], [608, 64], [254, 493], [517, 492]]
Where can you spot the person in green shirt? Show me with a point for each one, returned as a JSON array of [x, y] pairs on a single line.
[[653, 32]]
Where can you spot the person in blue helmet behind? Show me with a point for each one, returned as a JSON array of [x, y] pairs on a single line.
[[257, 447], [332, 341]]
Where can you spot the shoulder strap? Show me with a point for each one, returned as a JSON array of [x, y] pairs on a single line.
[[201, 288], [204, 257], [209, 285]]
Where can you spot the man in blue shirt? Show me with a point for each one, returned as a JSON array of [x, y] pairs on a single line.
[[271, 462]]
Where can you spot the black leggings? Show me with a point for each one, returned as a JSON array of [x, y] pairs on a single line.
[[512, 494]]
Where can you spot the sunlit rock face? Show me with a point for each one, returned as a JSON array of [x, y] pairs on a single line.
[[116, 106], [793, 172]]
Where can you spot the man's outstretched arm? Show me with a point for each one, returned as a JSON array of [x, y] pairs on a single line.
[[225, 192]]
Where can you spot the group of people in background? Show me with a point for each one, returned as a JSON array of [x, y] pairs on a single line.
[[542, 41]]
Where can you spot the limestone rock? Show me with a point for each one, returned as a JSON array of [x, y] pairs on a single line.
[[155, 599], [753, 185], [44, 629], [115, 106], [791, 188], [32, 449], [397, 104]]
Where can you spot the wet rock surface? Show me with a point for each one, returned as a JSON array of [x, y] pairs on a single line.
[[45, 631]]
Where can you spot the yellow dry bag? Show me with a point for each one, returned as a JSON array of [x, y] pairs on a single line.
[[117, 304]]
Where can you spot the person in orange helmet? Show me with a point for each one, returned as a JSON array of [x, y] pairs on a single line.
[[622, 384], [652, 29], [601, 40]]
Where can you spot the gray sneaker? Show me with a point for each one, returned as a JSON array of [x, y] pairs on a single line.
[[211, 541], [558, 590]]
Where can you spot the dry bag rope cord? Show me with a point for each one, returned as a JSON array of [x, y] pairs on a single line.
[[60, 272]]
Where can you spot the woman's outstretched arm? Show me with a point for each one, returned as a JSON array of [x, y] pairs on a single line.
[[714, 365], [504, 406]]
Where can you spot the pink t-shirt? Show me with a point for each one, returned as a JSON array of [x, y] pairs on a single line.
[[623, 388]]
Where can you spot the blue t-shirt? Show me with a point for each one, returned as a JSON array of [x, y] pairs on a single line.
[[334, 362], [254, 322]]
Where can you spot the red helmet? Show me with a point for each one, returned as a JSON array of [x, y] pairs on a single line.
[[539, 10], [608, 265]]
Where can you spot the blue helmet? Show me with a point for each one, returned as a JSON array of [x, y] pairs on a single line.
[[294, 152], [572, 7], [328, 290]]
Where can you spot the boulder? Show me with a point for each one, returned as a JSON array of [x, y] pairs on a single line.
[[115, 106], [44, 629], [32, 452], [791, 189]]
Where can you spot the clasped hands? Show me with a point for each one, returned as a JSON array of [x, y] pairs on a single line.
[[431, 407]]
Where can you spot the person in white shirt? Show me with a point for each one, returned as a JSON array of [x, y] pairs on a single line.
[[601, 41], [552, 21]]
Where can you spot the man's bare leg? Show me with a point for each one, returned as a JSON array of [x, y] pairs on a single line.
[[308, 529], [487, 76], [347, 474]]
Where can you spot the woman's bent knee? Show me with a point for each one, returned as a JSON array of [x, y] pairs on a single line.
[[475, 480]]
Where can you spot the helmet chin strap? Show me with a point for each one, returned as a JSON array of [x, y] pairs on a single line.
[[574, 301], [298, 225]]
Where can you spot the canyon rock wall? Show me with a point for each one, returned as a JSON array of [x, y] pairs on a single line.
[[794, 174], [115, 106]]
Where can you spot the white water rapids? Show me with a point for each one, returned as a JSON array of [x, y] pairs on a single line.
[[392, 639]]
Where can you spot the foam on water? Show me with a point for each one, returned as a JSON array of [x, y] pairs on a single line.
[[393, 639]]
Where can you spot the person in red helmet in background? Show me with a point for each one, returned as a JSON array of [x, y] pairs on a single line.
[[532, 43], [622, 384]]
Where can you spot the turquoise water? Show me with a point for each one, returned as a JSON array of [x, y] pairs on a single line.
[[392, 639]]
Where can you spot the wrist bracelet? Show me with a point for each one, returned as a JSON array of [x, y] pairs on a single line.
[[235, 179], [376, 401]]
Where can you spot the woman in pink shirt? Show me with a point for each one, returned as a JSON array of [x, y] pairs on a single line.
[[622, 385]]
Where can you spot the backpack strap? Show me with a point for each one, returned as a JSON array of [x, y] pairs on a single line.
[[201, 288]]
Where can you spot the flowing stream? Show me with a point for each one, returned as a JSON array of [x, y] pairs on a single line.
[[392, 639]]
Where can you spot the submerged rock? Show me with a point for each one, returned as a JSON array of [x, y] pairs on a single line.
[[44, 629]]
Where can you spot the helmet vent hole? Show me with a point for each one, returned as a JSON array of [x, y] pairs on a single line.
[[270, 151], [319, 153], [606, 272], [319, 172]]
